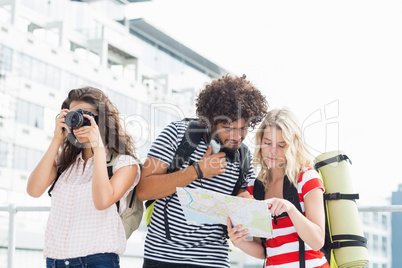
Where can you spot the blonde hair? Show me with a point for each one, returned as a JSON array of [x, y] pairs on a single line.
[[297, 155]]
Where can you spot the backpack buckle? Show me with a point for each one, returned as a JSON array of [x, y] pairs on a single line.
[[336, 244], [332, 196]]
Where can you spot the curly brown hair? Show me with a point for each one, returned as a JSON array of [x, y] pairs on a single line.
[[113, 134], [228, 99]]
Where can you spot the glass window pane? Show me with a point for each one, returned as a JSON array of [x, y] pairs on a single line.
[[22, 112], [32, 115], [6, 56], [131, 107], [19, 161], [384, 245], [25, 158], [375, 242], [53, 77], [3, 153], [146, 112], [25, 62], [41, 74], [33, 158], [39, 117], [35, 69]]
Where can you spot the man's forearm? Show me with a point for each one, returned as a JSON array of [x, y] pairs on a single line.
[[156, 186]]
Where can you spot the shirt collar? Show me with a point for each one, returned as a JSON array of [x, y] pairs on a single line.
[[79, 156]]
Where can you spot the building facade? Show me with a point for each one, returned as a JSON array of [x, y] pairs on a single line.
[[50, 47], [377, 229], [396, 229]]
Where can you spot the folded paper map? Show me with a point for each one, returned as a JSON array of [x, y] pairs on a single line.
[[202, 206]]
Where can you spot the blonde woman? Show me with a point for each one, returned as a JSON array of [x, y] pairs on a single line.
[[284, 163]]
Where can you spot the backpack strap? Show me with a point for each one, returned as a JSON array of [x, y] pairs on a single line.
[[259, 190], [338, 158], [187, 146], [244, 168], [54, 182], [111, 160], [337, 196], [290, 193], [356, 241], [259, 194]]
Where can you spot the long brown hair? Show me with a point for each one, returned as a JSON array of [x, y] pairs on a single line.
[[113, 134]]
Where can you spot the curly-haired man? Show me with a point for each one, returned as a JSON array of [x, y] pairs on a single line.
[[227, 107]]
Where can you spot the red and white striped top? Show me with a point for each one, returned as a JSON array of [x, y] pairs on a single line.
[[283, 248], [75, 228]]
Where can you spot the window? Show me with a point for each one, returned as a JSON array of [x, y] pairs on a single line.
[[30, 114], [375, 243], [146, 112], [384, 246], [161, 118], [6, 58], [39, 71], [25, 158], [3, 153], [53, 75], [366, 218], [384, 221], [376, 217], [124, 104], [5, 14], [25, 66]]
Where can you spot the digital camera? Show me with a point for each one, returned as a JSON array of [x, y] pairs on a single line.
[[75, 119]]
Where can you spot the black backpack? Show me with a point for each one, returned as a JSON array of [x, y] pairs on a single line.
[[188, 144], [290, 194]]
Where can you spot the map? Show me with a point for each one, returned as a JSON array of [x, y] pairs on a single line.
[[202, 206]]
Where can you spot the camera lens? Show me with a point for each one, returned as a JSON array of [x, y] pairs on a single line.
[[74, 119]]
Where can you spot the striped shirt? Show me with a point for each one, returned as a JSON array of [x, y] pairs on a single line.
[[203, 245], [75, 228], [283, 248]]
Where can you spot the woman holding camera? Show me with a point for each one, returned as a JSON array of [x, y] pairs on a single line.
[[84, 228]]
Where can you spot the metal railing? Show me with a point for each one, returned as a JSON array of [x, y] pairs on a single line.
[[12, 209]]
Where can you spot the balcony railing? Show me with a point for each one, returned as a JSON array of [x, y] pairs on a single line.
[[12, 209]]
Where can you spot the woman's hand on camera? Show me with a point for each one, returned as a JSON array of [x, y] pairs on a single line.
[[90, 132], [61, 129]]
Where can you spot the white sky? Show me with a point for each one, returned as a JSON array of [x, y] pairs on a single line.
[[340, 57]]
